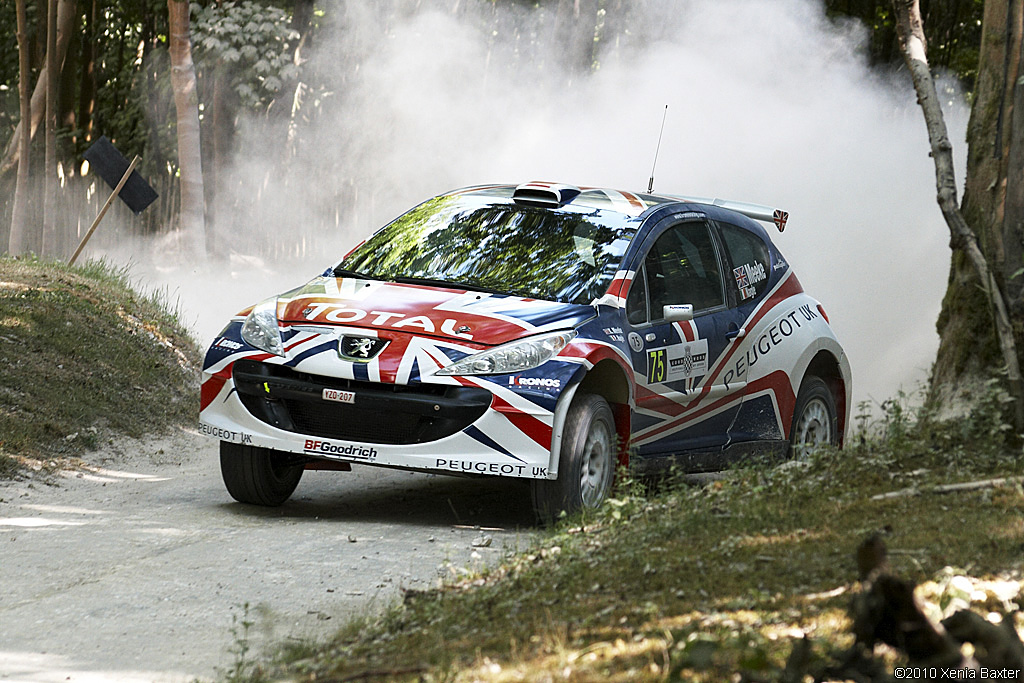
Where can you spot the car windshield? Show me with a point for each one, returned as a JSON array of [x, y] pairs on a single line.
[[566, 254]]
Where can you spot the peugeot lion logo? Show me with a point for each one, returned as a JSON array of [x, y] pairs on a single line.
[[360, 348]]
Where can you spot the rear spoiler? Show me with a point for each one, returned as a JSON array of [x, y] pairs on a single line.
[[758, 212]]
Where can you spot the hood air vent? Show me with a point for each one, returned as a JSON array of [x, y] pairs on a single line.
[[537, 193]]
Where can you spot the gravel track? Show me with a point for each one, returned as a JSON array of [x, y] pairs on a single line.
[[140, 569]]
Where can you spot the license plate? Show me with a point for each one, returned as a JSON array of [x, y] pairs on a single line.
[[339, 395]]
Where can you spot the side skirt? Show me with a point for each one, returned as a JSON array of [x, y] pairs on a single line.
[[746, 452]]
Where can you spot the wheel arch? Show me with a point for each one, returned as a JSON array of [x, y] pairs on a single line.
[[609, 380], [831, 370]]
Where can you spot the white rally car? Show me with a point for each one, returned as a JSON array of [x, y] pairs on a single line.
[[540, 331]]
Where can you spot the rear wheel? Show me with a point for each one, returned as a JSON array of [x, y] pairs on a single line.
[[815, 422], [586, 464], [259, 476]]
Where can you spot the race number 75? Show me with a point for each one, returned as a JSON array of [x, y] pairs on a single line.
[[656, 366]]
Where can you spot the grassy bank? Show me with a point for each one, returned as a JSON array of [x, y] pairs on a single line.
[[710, 582], [84, 357]]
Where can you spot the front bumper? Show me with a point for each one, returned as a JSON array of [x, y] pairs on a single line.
[[474, 425], [354, 410]]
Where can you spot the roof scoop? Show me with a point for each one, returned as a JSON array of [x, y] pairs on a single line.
[[539, 193]]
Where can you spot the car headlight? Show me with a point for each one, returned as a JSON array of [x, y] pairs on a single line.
[[260, 328], [516, 356]]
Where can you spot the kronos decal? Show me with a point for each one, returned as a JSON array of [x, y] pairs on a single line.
[[534, 382]]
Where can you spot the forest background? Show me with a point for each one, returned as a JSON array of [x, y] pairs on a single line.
[[320, 121]]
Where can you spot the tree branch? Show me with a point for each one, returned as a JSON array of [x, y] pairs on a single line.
[[951, 488]]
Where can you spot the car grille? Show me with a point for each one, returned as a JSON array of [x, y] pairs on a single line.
[[353, 424], [381, 414]]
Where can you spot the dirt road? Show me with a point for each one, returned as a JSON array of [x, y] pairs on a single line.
[[141, 569]]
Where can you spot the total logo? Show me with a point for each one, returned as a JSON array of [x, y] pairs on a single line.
[[336, 313], [315, 447], [534, 382]]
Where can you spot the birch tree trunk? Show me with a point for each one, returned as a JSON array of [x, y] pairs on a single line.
[[18, 242], [190, 160], [984, 259]]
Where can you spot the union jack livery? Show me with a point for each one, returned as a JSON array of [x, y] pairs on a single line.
[[540, 331]]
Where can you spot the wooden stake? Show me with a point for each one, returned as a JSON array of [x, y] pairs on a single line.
[[103, 211]]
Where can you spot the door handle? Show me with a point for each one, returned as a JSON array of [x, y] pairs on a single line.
[[738, 333]]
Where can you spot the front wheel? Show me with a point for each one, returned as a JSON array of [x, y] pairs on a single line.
[[586, 463], [815, 422], [259, 476]]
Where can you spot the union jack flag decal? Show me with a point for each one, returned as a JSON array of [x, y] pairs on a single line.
[[741, 277], [780, 217]]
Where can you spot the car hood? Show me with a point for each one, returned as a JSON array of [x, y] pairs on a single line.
[[451, 313]]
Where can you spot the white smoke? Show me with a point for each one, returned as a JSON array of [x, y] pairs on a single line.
[[767, 102]]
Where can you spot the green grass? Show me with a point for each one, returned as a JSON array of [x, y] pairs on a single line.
[[83, 355], [705, 582]]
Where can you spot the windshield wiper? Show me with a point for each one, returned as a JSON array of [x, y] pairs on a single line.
[[344, 272], [447, 283]]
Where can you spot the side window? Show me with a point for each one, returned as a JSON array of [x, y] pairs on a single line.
[[636, 300], [683, 268], [749, 257]]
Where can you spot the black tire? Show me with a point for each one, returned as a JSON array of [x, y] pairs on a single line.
[[586, 463], [259, 476], [815, 422]]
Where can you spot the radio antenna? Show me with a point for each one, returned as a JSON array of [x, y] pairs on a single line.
[[650, 183]]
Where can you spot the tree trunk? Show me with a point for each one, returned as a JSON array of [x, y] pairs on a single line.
[[1013, 208], [573, 31], [219, 129], [288, 103], [190, 161], [19, 216], [984, 259], [87, 86], [50, 163], [993, 206], [66, 24]]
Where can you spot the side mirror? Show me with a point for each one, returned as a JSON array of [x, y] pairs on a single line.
[[675, 313]]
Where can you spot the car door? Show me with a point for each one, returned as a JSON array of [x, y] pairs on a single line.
[[682, 402], [749, 271]]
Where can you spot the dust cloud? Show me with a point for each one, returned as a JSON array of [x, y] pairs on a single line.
[[767, 102]]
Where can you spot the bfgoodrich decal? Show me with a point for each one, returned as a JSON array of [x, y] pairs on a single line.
[[347, 450]]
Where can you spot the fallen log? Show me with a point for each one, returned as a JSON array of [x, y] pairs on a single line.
[[950, 488]]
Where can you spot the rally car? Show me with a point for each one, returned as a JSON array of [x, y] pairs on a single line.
[[542, 331]]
